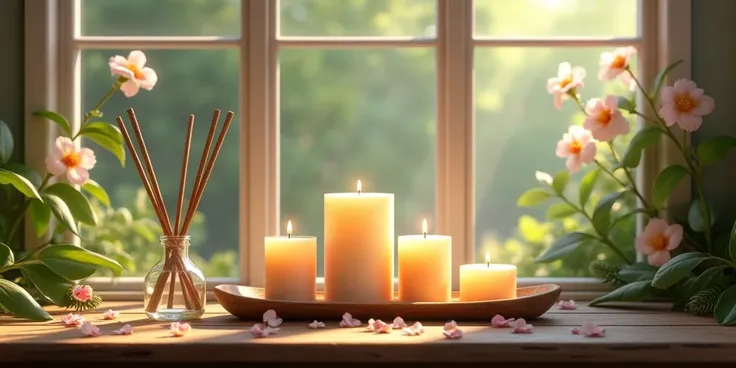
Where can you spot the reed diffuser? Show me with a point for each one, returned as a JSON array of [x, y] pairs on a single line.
[[163, 300]]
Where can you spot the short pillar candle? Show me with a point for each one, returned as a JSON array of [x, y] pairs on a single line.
[[425, 267], [291, 267], [487, 281]]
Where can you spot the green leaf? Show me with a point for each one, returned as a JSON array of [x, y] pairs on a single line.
[[49, 283], [19, 182], [68, 253], [25, 172], [677, 269], [659, 79], [646, 137], [732, 243], [6, 142], [624, 217], [105, 129], [40, 214], [559, 182], [78, 204], [6, 255], [533, 197], [708, 278], [21, 304], [641, 271], [634, 291], [586, 186], [714, 149], [56, 118], [725, 310], [96, 191], [563, 246], [61, 212], [696, 216], [560, 211], [666, 182], [626, 103], [602, 211], [109, 144]]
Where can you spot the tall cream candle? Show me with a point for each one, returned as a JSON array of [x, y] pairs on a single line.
[[359, 247], [425, 267], [487, 281], [291, 267]]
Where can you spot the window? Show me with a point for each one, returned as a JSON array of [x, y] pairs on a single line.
[[441, 102]]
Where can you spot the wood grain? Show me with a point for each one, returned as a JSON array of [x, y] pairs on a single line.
[[632, 336], [250, 303]]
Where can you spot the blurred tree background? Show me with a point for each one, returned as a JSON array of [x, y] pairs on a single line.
[[349, 114]]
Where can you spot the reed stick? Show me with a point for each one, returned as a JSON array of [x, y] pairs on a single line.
[[202, 164], [180, 201]]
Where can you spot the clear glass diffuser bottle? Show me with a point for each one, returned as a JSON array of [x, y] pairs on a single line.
[[175, 288]]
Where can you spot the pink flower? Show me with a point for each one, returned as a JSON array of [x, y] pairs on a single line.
[[179, 329], [259, 330], [66, 158], [566, 83], [316, 324], [451, 331], [82, 292], [521, 327], [90, 330], [499, 321], [604, 120], [270, 319], [349, 322], [414, 330], [589, 330], [657, 240], [378, 326], [134, 71], [110, 314], [567, 305], [685, 104], [72, 320], [615, 64], [577, 146], [125, 330], [398, 323]]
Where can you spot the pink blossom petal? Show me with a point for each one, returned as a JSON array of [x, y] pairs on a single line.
[[398, 323], [521, 327], [179, 329], [316, 324], [567, 305], [90, 330], [259, 331], [499, 321], [72, 320], [349, 322], [110, 314], [589, 330], [452, 334], [270, 319], [451, 325], [414, 330], [576, 331], [376, 325], [125, 330]]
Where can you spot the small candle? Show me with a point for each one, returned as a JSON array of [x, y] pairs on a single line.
[[359, 247], [425, 267], [291, 267], [487, 281]]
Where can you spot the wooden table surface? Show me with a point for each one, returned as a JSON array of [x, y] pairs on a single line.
[[648, 334]]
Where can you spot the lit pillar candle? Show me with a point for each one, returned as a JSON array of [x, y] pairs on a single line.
[[359, 247], [425, 267], [291, 267], [487, 281]]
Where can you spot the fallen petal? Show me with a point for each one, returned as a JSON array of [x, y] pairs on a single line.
[[90, 330], [179, 329], [259, 331], [452, 325], [399, 323], [454, 333], [110, 314], [72, 320], [499, 321], [521, 327], [567, 305], [348, 321], [125, 330], [382, 327], [576, 331], [591, 330], [415, 330], [316, 324]]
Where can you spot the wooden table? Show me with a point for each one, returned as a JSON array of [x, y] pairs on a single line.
[[648, 334]]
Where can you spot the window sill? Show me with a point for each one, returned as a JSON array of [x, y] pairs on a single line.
[[131, 288]]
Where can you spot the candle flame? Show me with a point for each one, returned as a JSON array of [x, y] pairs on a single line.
[[424, 227], [360, 187], [488, 259], [289, 229]]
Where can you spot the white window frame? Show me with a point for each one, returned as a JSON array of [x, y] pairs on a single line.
[[53, 41]]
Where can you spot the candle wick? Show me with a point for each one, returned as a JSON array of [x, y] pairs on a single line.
[[425, 234], [488, 264], [288, 235], [358, 192]]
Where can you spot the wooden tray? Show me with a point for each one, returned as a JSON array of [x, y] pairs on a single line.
[[249, 303]]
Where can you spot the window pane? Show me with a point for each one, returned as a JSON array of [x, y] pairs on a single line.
[[129, 231], [357, 114], [357, 18], [517, 129], [529, 18], [160, 17]]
